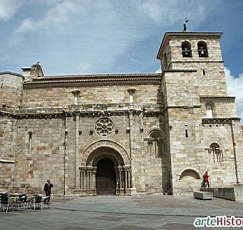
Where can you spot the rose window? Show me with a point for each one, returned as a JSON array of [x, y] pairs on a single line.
[[104, 126]]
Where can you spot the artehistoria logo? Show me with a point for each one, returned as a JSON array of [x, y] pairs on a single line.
[[218, 221]]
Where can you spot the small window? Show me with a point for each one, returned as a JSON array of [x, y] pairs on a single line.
[[202, 49], [30, 143], [209, 111], [186, 133], [186, 49]]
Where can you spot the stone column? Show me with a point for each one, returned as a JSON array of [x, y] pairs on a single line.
[[93, 181], [117, 180], [75, 93], [127, 179], [89, 173], [87, 179], [121, 180], [132, 180], [82, 177], [131, 92], [76, 150]]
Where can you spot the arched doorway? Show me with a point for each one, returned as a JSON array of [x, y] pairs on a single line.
[[106, 170], [105, 177]]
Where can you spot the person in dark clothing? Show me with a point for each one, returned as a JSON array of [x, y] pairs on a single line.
[[47, 188]]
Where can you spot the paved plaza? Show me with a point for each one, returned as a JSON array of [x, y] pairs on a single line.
[[114, 212]]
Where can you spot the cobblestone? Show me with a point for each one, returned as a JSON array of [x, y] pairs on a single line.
[[112, 212]]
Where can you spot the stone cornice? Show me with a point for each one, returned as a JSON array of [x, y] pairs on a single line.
[[91, 110], [182, 107], [6, 112], [95, 79], [98, 76], [200, 61], [93, 114], [226, 120], [217, 97], [225, 99]]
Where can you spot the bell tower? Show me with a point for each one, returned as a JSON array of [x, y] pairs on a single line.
[[198, 51], [199, 115]]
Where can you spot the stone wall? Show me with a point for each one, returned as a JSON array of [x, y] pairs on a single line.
[[11, 88], [199, 139], [7, 152], [53, 134], [41, 156], [61, 95]]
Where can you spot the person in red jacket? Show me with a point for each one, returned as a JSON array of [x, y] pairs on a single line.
[[206, 179]]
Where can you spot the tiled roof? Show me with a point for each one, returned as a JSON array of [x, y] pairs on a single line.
[[88, 78], [96, 76]]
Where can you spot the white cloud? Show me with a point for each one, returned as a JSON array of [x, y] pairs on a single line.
[[8, 8], [103, 36], [173, 12], [58, 15], [235, 85], [163, 13]]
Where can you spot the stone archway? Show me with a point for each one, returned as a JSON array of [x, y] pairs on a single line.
[[189, 180], [119, 151], [106, 170]]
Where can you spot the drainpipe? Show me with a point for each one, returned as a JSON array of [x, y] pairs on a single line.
[[65, 152], [77, 186], [130, 145], [64, 164], [234, 151]]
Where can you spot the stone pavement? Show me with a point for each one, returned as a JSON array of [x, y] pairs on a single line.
[[128, 213]]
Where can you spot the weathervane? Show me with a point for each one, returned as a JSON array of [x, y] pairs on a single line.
[[184, 25]]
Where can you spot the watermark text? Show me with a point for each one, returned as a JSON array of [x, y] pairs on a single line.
[[218, 221]]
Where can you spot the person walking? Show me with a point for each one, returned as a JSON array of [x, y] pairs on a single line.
[[206, 179], [47, 188]]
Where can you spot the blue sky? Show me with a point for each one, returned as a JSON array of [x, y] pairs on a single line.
[[113, 36]]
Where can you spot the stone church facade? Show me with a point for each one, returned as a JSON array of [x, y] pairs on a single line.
[[123, 134]]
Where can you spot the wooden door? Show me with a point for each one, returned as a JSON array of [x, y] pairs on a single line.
[[105, 177]]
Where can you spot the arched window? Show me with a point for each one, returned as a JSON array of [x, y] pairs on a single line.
[[215, 152], [190, 173], [186, 49], [209, 111], [202, 49], [156, 143]]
